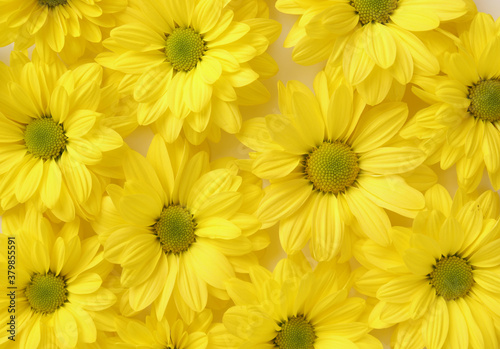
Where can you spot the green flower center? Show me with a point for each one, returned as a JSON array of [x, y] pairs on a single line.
[[46, 293], [374, 10], [485, 100], [296, 333], [45, 138], [175, 229], [184, 48], [452, 277], [331, 167], [52, 3]]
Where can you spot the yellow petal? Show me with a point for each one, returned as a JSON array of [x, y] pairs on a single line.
[[65, 328], [391, 160], [436, 324], [380, 44]]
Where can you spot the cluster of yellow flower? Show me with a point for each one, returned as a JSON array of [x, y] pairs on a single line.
[[103, 247]]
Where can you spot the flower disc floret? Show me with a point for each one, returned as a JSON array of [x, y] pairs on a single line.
[[52, 3], [452, 277], [296, 333], [46, 293], [485, 100], [45, 138], [175, 229], [374, 10], [332, 167], [184, 48]]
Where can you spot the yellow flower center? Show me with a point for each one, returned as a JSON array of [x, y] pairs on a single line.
[[45, 138], [332, 167], [296, 333], [184, 48], [452, 277], [52, 3], [175, 229], [485, 100], [374, 10], [46, 293]]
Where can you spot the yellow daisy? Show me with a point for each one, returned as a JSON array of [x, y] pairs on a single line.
[[295, 307], [374, 41], [462, 124], [439, 281], [178, 228], [190, 64], [54, 137], [331, 166], [57, 25], [169, 332], [56, 284]]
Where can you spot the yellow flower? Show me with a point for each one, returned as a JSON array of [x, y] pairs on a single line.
[[178, 228], [57, 25], [438, 281], [58, 281], [54, 137], [374, 41], [331, 167], [190, 64], [462, 124], [169, 332], [295, 307]]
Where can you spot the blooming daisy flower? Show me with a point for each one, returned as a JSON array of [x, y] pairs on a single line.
[[462, 124], [57, 25], [374, 41], [190, 64], [178, 228], [169, 332], [438, 281], [57, 282], [296, 308], [330, 166], [54, 137]]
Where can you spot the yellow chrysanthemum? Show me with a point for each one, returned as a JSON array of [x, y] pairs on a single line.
[[190, 64], [295, 307], [57, 283], [438, 281], [57, 25], [169, 332], [462, 125], [55, 134], [374, 41], [179, 229], [331, 167]]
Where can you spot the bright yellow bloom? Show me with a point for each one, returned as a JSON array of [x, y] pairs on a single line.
[[332, 167], [295, 307], [374, 41], [169, 332], [58, 280], [191, 63], [179, 227], [462, 125], [438, 281], [57, 26], [57, 146]]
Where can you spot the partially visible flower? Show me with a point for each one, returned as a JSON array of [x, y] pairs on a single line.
[[332, 166], [374, 41], [171, 331], [295, 307], [462, 125], [58, 281], [190, 64], [58, 147], [178, 228], [439, 281], [56, 26]]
